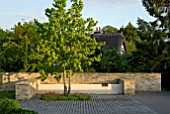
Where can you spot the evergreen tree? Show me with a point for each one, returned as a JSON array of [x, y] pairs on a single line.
[[151, 50], [160, 9]]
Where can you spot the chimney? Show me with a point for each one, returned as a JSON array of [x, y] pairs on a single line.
[[98, 31]]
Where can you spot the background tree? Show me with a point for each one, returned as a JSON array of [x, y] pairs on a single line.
[[4, 37], [150, 52], [160, 9], [113, 61], [131, 35], [18, 47], [109, 29], [65, 41], [26, 38]]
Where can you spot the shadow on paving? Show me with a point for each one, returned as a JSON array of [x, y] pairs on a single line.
[[100, 104], [157, 101]]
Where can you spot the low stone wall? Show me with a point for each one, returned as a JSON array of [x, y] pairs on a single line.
[[143, 81], [17, 77], [26, 89]]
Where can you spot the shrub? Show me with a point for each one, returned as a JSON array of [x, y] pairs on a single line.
[[7, 94], [8, 106], [60, 97], [24, 112]]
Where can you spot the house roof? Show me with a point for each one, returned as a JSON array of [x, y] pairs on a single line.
[[113, 40]]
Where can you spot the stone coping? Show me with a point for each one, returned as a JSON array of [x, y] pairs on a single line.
[[29, 81]]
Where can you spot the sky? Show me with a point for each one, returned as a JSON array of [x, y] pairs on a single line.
[[116, 13]]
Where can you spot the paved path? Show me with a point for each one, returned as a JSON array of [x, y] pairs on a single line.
[[157, 101], [100, 104]]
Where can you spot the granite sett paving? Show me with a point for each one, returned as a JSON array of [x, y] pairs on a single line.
[[99, 104]]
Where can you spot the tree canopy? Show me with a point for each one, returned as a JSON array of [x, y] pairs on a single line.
[[17, 48], [160, 9], [131, 34], [109, 29]]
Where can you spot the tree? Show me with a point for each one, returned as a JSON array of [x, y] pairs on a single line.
[[8, 52], [4, 37], [159, 30], [109, 29], [65, 41], [160, 9], [131, 35], [26, 37], [18, 47], [151, 51], [114, 62]]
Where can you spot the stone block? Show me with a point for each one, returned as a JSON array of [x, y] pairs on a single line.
[[25, 89], [129, 86]]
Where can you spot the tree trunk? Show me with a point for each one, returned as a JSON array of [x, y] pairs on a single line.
[[64, 82], [69, 83], [9, 77], [169, 21]]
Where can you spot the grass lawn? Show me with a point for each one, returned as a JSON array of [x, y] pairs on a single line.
[[61, 97], [8, 94]]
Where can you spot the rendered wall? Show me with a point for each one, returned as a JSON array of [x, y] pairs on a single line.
[[82, 88]]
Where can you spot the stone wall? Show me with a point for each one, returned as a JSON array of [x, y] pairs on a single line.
[[143, 81], [27, 89], [17, 77]]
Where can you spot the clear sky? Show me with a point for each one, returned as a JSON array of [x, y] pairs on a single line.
[[116, 13]]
